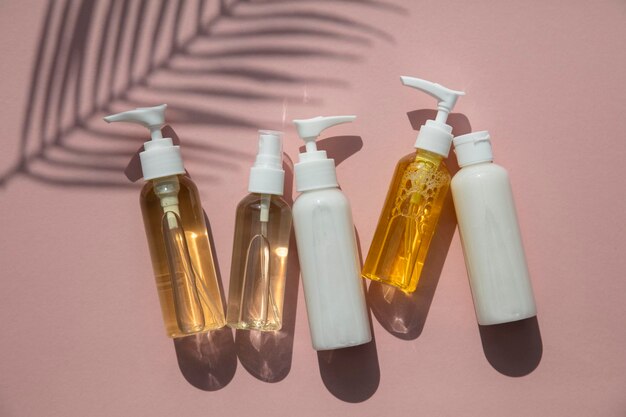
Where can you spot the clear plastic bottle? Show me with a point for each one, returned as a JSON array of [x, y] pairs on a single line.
[[182, 259], [261, 243], [259, 264], [408, 220], [415, 199], [177, 235]]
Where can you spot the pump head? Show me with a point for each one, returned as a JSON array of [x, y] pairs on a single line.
[[152, 118], [160, 157], [315, 170], [435, 135]]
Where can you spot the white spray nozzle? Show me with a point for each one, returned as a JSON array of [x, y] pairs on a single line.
[[270, 153], [446, 98], [310, 129], [152, 118], [267, 175]]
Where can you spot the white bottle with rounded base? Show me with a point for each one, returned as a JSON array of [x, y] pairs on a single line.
[[490, 234], [327, 248]]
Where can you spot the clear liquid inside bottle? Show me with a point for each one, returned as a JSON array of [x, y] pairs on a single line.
[[182, 259], [408, 221], [259, 263]]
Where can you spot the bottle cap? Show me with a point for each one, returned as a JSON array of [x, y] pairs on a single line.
[[315, 170], [160, 157], [473, 148], [435, 135], [267, 175]]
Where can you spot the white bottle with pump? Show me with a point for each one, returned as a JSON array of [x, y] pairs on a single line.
[[327, 248], [492, 244], [179, 245]]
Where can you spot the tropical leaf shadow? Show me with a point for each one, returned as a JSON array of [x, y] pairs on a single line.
[[97, 56]]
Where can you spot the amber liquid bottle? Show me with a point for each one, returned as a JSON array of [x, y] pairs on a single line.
[[181, 257], [177, 235], [408, 220]]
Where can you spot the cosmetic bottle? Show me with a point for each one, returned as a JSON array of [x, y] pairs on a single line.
[[415, 199], [490, 234], [261, 243], [327, 248], [177, 235]]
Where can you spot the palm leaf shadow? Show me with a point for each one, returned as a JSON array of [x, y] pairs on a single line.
[[97, 56]]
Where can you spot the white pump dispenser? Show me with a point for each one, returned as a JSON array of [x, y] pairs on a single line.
[[160, 157], [327, 249], [315, 170], [435, 135]]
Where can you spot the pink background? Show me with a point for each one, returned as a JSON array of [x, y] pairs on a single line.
[[81, 326]]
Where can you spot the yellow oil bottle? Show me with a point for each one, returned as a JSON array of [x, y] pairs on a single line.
[[408, 221], [414, 202]]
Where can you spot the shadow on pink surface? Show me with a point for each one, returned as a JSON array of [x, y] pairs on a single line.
[[96, 57], [339, 148], [404, 315], [267, 355], [208, 360], [352, 374], [513, 349]]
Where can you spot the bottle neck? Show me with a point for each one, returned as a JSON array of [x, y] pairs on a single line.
[[432, 157], [471, 164]]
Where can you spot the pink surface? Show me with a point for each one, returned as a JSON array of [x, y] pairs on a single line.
[[81, 327]]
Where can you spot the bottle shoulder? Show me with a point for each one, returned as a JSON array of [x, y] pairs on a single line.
[[183, 180], [484, 174], [324, 196], [420, 168], [253, 201], [481, 170]]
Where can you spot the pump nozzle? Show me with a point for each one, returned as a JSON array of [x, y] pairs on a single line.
[[435, 135], [315, 170], [446, 98], [310, 129], [160, 157], [152, 118]]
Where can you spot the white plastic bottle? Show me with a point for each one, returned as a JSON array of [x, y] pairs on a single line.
[[327, 248], [492, 244]]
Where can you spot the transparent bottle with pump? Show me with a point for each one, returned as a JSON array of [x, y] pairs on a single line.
[[415, 199], [261, 244], [177, 235]]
